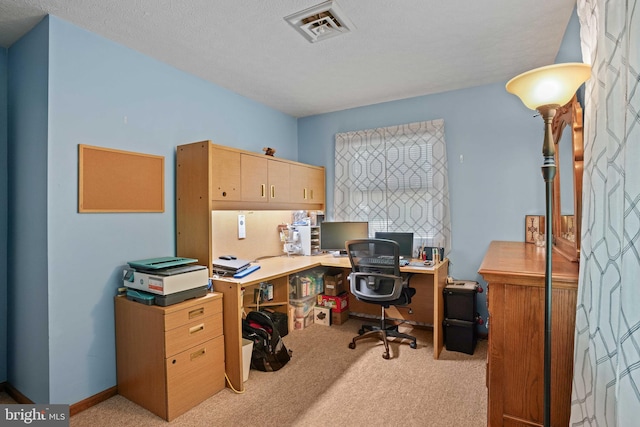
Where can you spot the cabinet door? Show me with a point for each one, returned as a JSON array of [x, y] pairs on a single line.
[[194, 375], [254, 178], [316, 185], [279, 176], [225, 174], [299, 187], [307, 184]]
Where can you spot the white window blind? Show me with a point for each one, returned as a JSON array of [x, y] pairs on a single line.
[[396, 179]]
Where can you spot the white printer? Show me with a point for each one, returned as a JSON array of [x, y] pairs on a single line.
[[172, 278]]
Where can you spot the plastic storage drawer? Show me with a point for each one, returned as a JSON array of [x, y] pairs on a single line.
[[460, 301], [460, 335]]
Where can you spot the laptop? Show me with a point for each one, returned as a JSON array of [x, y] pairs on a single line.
[[231, 265]]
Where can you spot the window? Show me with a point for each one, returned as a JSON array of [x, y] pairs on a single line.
[[396, 179]]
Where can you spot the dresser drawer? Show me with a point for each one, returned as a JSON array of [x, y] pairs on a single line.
[[200, 309], [192, 334], [194, 375]]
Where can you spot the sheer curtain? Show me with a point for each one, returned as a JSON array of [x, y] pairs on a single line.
[[396, 179], [606, 383]]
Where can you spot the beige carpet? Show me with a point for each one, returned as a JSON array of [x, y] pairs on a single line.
[[328, 384]]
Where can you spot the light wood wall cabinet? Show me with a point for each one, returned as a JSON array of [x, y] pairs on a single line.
[[307, 184], [226, 181], [213, 177], [264, 180], [514, 272], [169, 359]]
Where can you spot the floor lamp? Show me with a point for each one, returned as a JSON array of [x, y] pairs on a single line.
[[545, 89]]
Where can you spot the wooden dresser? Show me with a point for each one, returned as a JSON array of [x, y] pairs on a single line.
[[514, 272], [170, 359]]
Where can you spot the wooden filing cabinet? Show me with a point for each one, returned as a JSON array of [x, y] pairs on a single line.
[[169, 359]]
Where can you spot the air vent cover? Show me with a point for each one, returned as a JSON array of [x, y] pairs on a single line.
[[320, 22]]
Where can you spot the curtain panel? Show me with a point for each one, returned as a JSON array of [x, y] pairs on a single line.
[[396, 179], [606, 384]]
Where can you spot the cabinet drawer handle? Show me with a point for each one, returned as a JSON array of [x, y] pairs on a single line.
[[263, 190], [311, 193], [304, 194], [198, 353], [197, 312], [196, 328], [273, 191]]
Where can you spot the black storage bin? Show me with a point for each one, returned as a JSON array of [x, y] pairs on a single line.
[[460, 335], [460, 301]]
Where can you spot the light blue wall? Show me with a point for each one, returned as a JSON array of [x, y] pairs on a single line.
[[4, 199], [495, 183], [27, 264], [93, 85]]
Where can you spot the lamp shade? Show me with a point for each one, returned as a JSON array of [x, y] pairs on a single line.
[[551, 85]]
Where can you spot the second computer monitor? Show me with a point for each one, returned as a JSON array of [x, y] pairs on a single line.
[[404, 240]]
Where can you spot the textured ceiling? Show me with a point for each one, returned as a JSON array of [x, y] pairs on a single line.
[[398, 49]]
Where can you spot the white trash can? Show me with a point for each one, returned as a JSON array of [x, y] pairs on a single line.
[[247, 350]]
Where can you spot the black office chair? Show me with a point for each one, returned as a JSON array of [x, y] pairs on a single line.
[[375, 278]]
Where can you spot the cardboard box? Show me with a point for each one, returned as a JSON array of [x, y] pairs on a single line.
[[292, 318], [334, 283], [322, 315], [337, 303], [339, 318]]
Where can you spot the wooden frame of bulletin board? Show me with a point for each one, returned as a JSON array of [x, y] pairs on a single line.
[[119, 181]]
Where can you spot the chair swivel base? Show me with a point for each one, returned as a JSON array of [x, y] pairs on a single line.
[[382, 334]]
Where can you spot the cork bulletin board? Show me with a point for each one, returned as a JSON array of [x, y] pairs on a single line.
[[119, 181]]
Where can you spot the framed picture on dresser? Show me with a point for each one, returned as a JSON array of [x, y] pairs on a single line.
[[533, 228]]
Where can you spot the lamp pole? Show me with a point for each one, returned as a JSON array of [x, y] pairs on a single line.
[[548, 173], [545, 89]]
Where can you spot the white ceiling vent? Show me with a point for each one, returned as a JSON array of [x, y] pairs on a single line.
[[320, 22]]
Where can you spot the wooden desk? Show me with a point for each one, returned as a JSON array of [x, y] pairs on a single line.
[[238, 295]]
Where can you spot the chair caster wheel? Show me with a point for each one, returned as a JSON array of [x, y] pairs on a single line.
[[352, 345], [413, 345], [385, 356]]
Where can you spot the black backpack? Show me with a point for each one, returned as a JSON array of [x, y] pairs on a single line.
[[269, 352]]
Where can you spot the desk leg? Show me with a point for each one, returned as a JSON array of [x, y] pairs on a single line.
[[232, 326], [439, 282]]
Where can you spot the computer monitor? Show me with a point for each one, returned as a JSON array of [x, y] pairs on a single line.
[[334, 234], [404, 240]]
